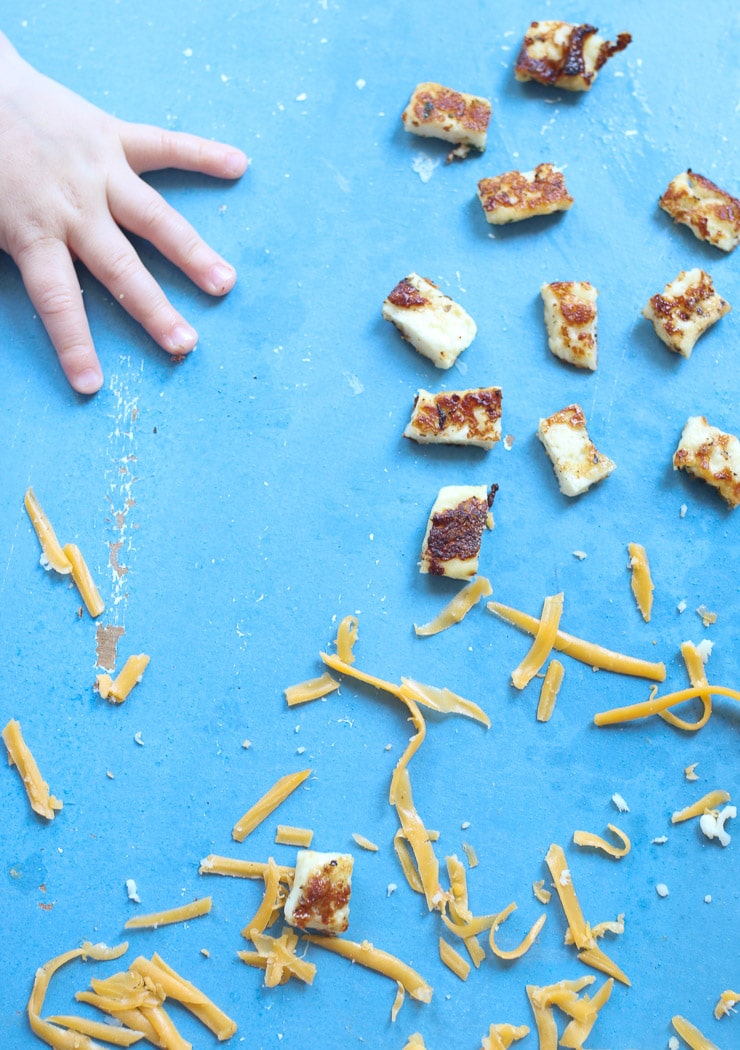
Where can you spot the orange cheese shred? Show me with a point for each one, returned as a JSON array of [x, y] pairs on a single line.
[[20, 756], [83, 580], [501, 1036], [710, 801], [52, 556], [642, 583], [419, 841], [276, 955], [587, 838], [366, 954], [697, 676], [261, 919], [658, 704], [183, 913], [526, 943], [453, 960], [117, 689], [268, 802], [549, 692], [458, 608], [544, 639], [346, 638], [691, 1034], [311, 689]]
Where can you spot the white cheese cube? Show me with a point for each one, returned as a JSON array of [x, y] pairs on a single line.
[[686, 308], [428, 319], [565, 55], [452, 541], [440, 112], [457, 417], [712, 214], [710, 454], [517, 195], [576, 461], [570, 320], [319, 896]]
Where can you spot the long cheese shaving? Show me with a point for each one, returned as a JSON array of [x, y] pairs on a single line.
[[192, 998], [549, 692], [213, 864], [116, 690], [412, 747], [20, 756], [501, 1036], [453, 960], [642, 583], [269, 802], [526, 943], [587, 838], [707, 802], [418, 838], [697, 676], [544, 639], [382, 962], [655, 705], [193, 910], [443, 700], [84, 581], [261, 919], [117, 1036], [587, 652], [458, 608], [403, 852], [276, 955], [52, 557], [692, 1035], [311, 689]]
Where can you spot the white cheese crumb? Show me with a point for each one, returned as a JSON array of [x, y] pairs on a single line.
[[620, 803], [302, 97], [132, 892], [392, 887], [681, 607], [205, 952], [388, 747], [673, 1043], [661, 889], [137, 738], [360, 84], [300, 750], [713, 824], [565, 879], [682, 512], [246, 744], [660, 840], [708, 899], [424, 166], [704, 648], [465, 825], [580, 555]]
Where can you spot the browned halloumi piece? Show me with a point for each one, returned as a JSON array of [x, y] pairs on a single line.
[[440, 112], [575, 459], [712, 455], [320, 894], [434, 324], [571, 321], [457, 417], [712, 214], [685, 309], [565, 55], [452, 541], [517, 195]]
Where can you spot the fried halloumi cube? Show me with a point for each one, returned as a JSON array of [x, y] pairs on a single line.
[[575, 459], [712, 214], [319, 896], [517, 195], [685, 309], [570, 320], [440, 112], [710, 454], [457, 417], [565, 55], [431, 321], [452, 541]]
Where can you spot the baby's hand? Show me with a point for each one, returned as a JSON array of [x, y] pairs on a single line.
[[69, 183]]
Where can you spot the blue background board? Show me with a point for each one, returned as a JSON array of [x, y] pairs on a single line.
[[262, 490]]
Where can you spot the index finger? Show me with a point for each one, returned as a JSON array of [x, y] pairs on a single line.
[[149, 148]]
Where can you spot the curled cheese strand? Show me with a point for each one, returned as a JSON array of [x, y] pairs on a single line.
[[458, 608], [697, 676], [587, 838], [261, 918], [366, 954], [658, 704], [527, 942], [544, 639]]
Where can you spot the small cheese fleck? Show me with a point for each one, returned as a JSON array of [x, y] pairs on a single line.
[[661, 889], [660, 841], [435, 325], [620, 803], [575, 459], [132, 892]]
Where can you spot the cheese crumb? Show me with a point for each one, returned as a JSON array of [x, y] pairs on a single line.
[[661, 889], [681, 607], [712, 824], [690, 771], [682, 511], [660, 840], [673, 1043], [708, 899], [391, 888], [620, 803], [580, 555], [132, 892], [707, 617]]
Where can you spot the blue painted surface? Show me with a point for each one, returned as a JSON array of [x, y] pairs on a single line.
[[262, 490]]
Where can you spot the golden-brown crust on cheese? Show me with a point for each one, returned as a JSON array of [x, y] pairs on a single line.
[[698, 304], [564, 64], [513, 195], [702, 460], [475, 411], [406, 296], [575, 327], [323, 897], [456, 533], [433, 105], [710, 212]]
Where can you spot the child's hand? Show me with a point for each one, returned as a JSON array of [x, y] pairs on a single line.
[[69, 181]]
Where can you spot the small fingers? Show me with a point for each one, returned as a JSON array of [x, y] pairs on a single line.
[[141, 210], [148, 148], [54, 289]]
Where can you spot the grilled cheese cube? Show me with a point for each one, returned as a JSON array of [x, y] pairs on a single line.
[[428, 319], [517, 195], [710, 454], [687, 307], [570, 319], [319, 897], [454, 531], [564, 55], [457, 417], [576, 461], [712, 214], [439, 112]]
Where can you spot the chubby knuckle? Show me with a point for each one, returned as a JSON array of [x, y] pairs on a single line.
[[154, 213], [122, 266], [54, 299]]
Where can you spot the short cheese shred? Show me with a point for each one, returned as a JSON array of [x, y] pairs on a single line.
[[527, 942], [443, 700], [501, 1036], [710, 801], [691, 1034], [183, 913], [263, 917], [542, 895], [84, 581], [549, 691], [398, 1000], [287, 835], [453, 960], [162, 976], [365, 843], [382, 962], [656, 705], [346, 638], [269, 802], [52, 557], [458, 899], [276, 955], [415, 1042], [587, 838], [117, 690], [587, 652], [311, 689], [19, 755], [642, 583], [726, 1004], [458, 608], [544, 639], [582, 1009]]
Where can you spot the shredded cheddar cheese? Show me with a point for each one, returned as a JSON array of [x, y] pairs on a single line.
[[565, 995], [398, 1000], [587, 838], [183, 913], [53, 556], [726, 1003], [542, 895], [365, 843], [418, 839], [156, 972], [526, 943], [707, 802], [346, 638], [84, 581], [382, 962], [277, 957], [549, 691], [458, 608], [241, 869], [691, 1034], [660, 704], [642, 583], [501, 1036], [263, 917], [690, 771], [287, 835], [116, 1035], [269, 802], [697, 676], [453, 960], [116, 690], [311, 689], [20, 756], [544, 639], [415, 1042], [587, 652]]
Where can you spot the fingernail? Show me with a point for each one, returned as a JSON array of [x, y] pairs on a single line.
[[234, 164], [88, 381], [221, 277], [181, 339]]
